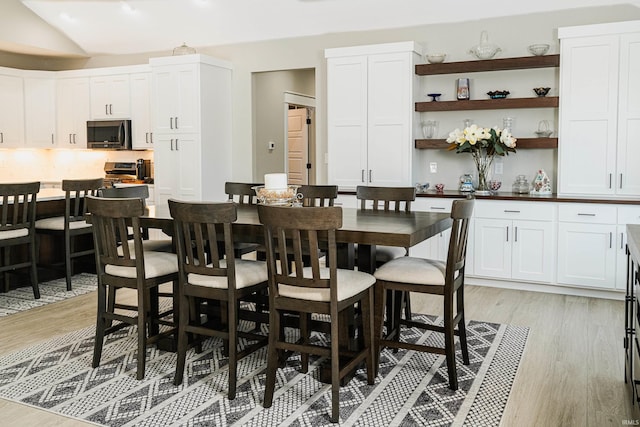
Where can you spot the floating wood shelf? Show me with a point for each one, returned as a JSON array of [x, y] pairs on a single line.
[[489, 104], [520, 144], [519, 63]]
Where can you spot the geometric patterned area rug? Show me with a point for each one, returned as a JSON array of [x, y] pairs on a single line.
[[410, 390], [21, 299]]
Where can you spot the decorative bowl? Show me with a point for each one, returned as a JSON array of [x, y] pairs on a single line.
[[277, 197], [538, 49], [498, 94], [494, 185], [439, 188], [436, 58], [544, 133], [486, 51], [541, 91]]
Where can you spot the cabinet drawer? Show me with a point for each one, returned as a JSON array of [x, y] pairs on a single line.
[[628, 214], [542, 211], [587, 212], [432, 204]]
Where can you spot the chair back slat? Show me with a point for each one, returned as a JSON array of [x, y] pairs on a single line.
[[241, 193], [396, 199], [318, 195], [198, 229], [461, 213], [293, 234], [76, 190], [18, 205]]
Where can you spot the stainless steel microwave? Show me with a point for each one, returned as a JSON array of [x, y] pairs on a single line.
[[109, 134]]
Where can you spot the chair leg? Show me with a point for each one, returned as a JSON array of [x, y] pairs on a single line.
[[305, 318], [272, 358], [398, 299], [335, 368], [5, 275], [379, 309], [462, 326], [407, 305], [232, 321], [67, 259], [34, 270], [143, 297], [100, 325], [183, 320], [367, 332], [449, 344]]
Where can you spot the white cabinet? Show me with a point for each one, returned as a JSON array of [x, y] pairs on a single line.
[[370, 114], [40, 109], [599, 111], [11, 110], [192, 154], [514, 240], [626, 215], [141, 126], [587, 245], [110, 97], [73, 104]]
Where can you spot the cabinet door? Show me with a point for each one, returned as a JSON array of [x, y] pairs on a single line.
[[628, 172], [586, 254], [389, 119], [73, 106], [492, 248], [11, 112], [347, 121], [177, 168], [533, 251], [141, 111], [587, 154], [110, 97], [175, 98], [166, 169], [187, 150], [40, 112]]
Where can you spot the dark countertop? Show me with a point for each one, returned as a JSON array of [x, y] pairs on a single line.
[[503, 195]]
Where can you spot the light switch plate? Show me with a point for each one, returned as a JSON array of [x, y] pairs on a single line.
[[498, 168], [433, 167]]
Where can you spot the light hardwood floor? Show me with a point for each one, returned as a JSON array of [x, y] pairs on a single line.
[[571, 374]]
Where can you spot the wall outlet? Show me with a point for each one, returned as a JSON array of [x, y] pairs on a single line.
[[433, 167], [498, 168]]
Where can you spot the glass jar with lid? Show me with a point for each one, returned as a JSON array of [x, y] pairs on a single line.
[[521, 185]]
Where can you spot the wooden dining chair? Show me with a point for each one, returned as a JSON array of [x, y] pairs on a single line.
[[72, 226], [225, 280], [312, 289], [128, 266], [318, 195], [242, 193], [410, 274], [17, 228]]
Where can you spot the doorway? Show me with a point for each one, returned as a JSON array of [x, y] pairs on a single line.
[[300, 131]]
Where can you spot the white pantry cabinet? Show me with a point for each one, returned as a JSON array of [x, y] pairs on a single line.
[[514, 240], [192, 159], [599, 109], [73, 106], [370, 114], [40, 109], [11, 109], [141, 125], [110, 97]]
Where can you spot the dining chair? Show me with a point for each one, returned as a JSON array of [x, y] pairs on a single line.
[[206, 274], [17, 228], [242, 193], [127, 266], [318, 195], [313, 289], [410, 274], [72, 225]]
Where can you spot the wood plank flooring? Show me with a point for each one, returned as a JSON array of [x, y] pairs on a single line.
[[571, 374]]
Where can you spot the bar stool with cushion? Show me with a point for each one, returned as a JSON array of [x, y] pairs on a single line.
[[409, 274], [119, 266], [228, 281], [72, 225], [17, 228], [305, 290]]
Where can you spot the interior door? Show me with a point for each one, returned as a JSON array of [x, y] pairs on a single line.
[[298, 146]]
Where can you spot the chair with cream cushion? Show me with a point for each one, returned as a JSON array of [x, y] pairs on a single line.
[[313, 289], [409, 274], [72, 225], [226, 281], [128, 266], [17, 220]]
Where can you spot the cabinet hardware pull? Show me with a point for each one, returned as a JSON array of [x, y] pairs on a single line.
[[176, 123], [515, 237], [586, 214], [74, 138], [362, 175], [51, 138], [151, 137], [1, 137], [507, 234], [620, 180], [171, 144], [369, 175], [171, 122], [146, 137], [610, 240], [106, 109], [437, 207], [177, 144], [70, 138], [111, 109], [610, 180], [511, 211], [621, 240]]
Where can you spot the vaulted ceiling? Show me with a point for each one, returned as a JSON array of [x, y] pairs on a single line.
[[97, 27]]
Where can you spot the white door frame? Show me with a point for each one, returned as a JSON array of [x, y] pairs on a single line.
[[299, 99]]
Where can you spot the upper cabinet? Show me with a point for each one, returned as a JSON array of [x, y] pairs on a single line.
[[600, 109], [177, 86], [110, 97], [11, 109], [40, 109], [370, 116], [142, 134], [73, 103]]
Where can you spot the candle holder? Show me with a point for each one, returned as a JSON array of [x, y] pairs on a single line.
[[277, 197]]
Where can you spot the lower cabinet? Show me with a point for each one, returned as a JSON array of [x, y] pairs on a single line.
[[514, 240], [436, 247]]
